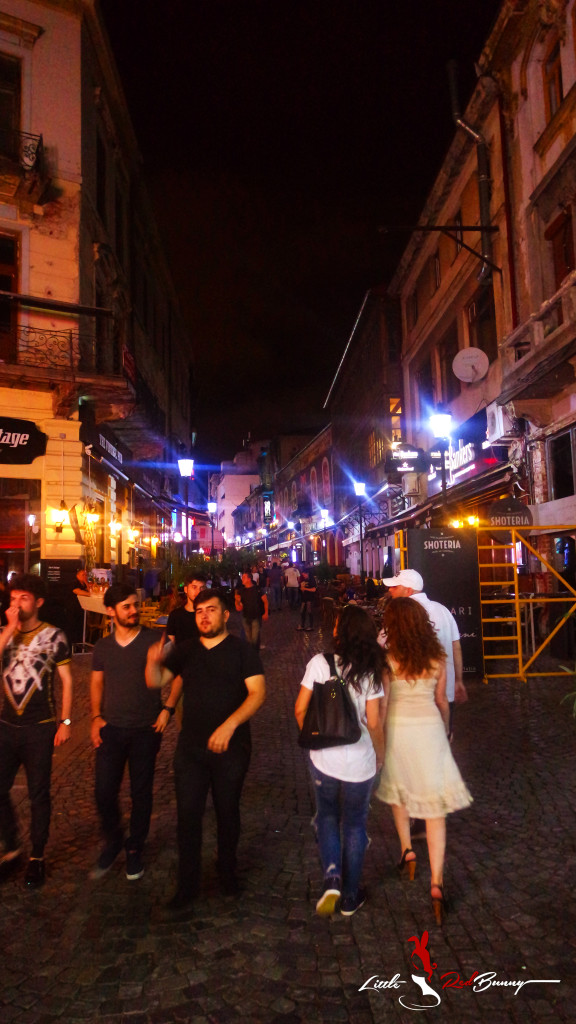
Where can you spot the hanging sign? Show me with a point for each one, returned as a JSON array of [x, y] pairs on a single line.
[[20, 442]]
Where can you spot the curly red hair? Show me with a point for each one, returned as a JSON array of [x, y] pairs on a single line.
[[411, 638]]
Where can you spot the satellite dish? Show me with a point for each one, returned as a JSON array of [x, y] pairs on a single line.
[[470, 364]]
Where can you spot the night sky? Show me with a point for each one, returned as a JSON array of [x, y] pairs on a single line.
[[277, 136]]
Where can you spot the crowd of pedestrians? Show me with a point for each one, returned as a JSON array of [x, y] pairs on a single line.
[[401, 681]]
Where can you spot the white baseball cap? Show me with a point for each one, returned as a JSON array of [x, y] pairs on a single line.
[[405, 578]]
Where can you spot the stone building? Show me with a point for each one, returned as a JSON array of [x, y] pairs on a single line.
[[96, 370]]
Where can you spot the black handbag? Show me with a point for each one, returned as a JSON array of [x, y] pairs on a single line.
[[331, 719]]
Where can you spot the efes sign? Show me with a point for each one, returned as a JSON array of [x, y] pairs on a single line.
[[20, 442]]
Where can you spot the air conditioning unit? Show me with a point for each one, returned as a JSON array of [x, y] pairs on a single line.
[[500, 425], [410, 486]]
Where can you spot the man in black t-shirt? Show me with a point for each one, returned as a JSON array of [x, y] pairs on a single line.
[[31, 652], [127, 725], [181, 623], [253, 604], [223, 685]]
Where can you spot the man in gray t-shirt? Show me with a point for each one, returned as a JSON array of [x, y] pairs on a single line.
[[128, 720]]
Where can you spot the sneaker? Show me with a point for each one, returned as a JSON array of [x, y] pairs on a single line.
[[350, 904], [329, 899], [134, 866], [35, 873], [106, 859], [7, 856]]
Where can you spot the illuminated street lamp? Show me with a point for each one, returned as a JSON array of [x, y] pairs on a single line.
[[360, 492], [440, 425], [324, 515], [212, 506]]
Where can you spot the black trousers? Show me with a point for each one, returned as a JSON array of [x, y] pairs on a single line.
[[138, 749], [197, 771], [31, 746]]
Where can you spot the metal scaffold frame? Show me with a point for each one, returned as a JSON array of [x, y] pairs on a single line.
[[521, 606]]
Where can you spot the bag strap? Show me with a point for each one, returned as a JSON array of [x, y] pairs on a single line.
[[331, 662]]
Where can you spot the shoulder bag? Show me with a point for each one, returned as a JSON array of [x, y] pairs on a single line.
[[331, 719]]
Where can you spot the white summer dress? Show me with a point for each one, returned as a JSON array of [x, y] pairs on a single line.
[[419, 771]]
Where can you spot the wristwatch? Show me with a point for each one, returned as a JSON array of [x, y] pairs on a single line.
[[65, 721], [170, 710]]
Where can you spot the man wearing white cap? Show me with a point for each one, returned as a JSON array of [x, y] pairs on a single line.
[[409, 583]]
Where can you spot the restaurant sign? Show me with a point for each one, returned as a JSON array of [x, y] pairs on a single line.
[[405, 459], [20, 442]]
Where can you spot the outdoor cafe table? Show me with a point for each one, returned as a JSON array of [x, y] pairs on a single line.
[[91, 603]]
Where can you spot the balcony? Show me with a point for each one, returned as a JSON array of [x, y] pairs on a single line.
[[23, 172], [535, 356]]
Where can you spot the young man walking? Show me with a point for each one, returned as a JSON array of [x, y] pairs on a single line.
[[224, 686], [127, 725], [181, 623], [31, 652], [253, 605]]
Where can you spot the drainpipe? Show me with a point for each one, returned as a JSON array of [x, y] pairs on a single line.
[[483, 172]]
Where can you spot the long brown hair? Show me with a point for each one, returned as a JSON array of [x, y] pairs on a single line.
[[355, 642], [411, 637]]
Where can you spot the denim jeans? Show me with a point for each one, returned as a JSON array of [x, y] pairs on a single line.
[[252, 632], [342, 811], [137, 748], [31, 746], [306, 613], [276, 597], [196, 771]]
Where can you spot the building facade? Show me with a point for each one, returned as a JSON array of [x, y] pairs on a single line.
[[96, 367]]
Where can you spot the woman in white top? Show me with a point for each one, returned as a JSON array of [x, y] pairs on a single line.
[[343, 776]]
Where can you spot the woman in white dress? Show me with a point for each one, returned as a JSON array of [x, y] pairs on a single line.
[[420, 778]]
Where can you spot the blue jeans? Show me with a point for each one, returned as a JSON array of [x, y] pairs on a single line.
[[252, 632], [342, 811]]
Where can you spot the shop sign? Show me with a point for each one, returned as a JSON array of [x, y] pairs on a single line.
[[20, 442], [406, 459], [509, 512], [268, 507], [448, 563], [467, 461]]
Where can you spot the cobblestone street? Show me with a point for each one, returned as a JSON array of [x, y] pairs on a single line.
[[84, 951]]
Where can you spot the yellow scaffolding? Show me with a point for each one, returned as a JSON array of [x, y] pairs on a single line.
[[521, 607]]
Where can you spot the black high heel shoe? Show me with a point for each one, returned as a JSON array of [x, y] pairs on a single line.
[[438, 903], [407, 867]]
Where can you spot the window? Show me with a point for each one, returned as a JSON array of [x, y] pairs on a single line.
[[376, 450], [101, 179], [561, 466], [553, 91], [9, 106], [8, 283], [412, 310], [395, 407], [482, 322], [447, 349], [425, 388], [561, 237]]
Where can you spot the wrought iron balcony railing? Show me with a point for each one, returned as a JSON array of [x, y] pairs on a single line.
[[23, 149], [41, 347]]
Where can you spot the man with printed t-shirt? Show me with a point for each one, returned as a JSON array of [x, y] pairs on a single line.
[[223, 684], [127, 725], [31, 652]]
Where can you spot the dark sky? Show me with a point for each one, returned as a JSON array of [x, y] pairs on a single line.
[[277, 136]]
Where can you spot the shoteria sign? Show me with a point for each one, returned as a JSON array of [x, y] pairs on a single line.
[[20, 442], [447, 560]]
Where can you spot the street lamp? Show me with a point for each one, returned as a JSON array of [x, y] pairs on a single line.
[[360, 492], [212, 506], [324, 515], [440, 425]]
